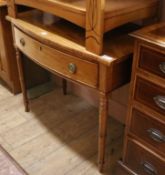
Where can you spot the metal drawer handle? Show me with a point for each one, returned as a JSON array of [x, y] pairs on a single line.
[[22, 41], [72, 68], [162, 67], [160, 101], [156, 135], [149, 168]]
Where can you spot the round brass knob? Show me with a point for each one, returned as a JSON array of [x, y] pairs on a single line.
[[72, 68], [22, 41]]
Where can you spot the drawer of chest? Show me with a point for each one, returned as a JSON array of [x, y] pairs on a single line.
[[74, 68], [150, 95], [149, 130], [152, 61], [142, 161]]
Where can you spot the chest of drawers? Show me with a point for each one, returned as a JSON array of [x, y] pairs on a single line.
[[144, 151]]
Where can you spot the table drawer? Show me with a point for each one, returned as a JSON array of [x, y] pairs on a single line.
[[71, 67], [142, 161], [151, 95], [148, 129], [152, 61]]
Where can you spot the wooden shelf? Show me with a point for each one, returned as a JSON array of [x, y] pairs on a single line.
[[96, 17], [75, 10]]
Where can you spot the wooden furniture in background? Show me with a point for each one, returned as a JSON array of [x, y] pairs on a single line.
[[144, 150], [8, 64], [97, 17]]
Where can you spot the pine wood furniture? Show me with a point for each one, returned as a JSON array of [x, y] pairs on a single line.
[[64, 48], [60, 48], [144, 152], [96, 17], [8, 64]]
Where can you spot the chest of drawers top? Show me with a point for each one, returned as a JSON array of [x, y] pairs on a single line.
[[154, 34]]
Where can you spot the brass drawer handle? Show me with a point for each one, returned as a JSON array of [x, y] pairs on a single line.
[[22, 42], [162, 67], [149, 168], [160, 101], [72, 68], [156, 135]]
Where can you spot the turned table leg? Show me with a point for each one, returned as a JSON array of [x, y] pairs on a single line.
[[22, 80], [64, 86], [103, 116]]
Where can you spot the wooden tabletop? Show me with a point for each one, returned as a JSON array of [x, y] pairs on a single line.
[[71, 38], [154, 34], [2, 3]]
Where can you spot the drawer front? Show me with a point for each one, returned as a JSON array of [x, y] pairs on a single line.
[[151, 95], [148, 129], [142, 161], [152, 61], [71, 67]]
